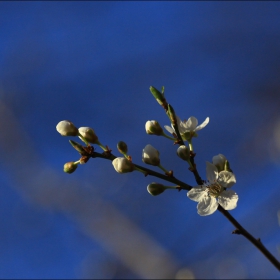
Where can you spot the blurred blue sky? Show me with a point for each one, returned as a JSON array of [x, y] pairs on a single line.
[[93, 63]]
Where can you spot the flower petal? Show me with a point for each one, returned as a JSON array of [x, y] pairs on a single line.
[[178, 119], [211, 172], [219, 160], [228, 199], [169, 129], [180, 125], [182, 128], [203, 124], [207, 206], [197, 193], [226, 179], [191, 124]]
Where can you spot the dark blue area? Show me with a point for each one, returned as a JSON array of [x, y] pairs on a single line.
[[93, 63]]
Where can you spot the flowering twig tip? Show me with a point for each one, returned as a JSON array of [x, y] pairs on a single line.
[[211, 194]]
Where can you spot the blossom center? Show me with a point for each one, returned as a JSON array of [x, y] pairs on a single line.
[[214, 189]]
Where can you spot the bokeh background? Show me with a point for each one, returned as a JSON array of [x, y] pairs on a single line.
[[93, 63]]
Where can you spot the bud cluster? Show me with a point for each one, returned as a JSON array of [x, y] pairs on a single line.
[[86, 134]]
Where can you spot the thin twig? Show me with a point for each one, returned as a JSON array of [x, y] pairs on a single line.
[[246, 234], [194, 170], [148, 171]]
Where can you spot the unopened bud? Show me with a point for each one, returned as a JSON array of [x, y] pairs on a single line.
[[77, 147], [70, 167], [153, 127], [122, 165], [122, 147], [155, 189], [183, 152], [67, 128], [220, 162], [150, 155], [88, 134]]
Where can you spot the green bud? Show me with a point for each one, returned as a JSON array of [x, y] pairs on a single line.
[[183, 152], [77, 147], [155, 189], [122, 147], [70, 167], [158, 96]]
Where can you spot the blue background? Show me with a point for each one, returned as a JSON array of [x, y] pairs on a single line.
[[93, 63]]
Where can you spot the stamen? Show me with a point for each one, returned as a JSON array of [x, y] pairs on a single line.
[[213, 189]]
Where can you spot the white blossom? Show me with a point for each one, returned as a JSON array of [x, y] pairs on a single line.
[[67, 128], [153, 127], [210, 195], [187, 128], [122, 165], [88, 134], [150, 155]]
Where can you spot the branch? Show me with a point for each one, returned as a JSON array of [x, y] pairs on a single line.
[[183, 186], [197, 177], [172, 179], [246, 234]]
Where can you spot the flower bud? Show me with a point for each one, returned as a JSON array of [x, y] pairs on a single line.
[[89, 134], [153, 127], [155, 189], [122, 147], [77, 147], [183, 152], [219, 161], [66, 128], [70, 167], [150, 155], [122, 165]]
